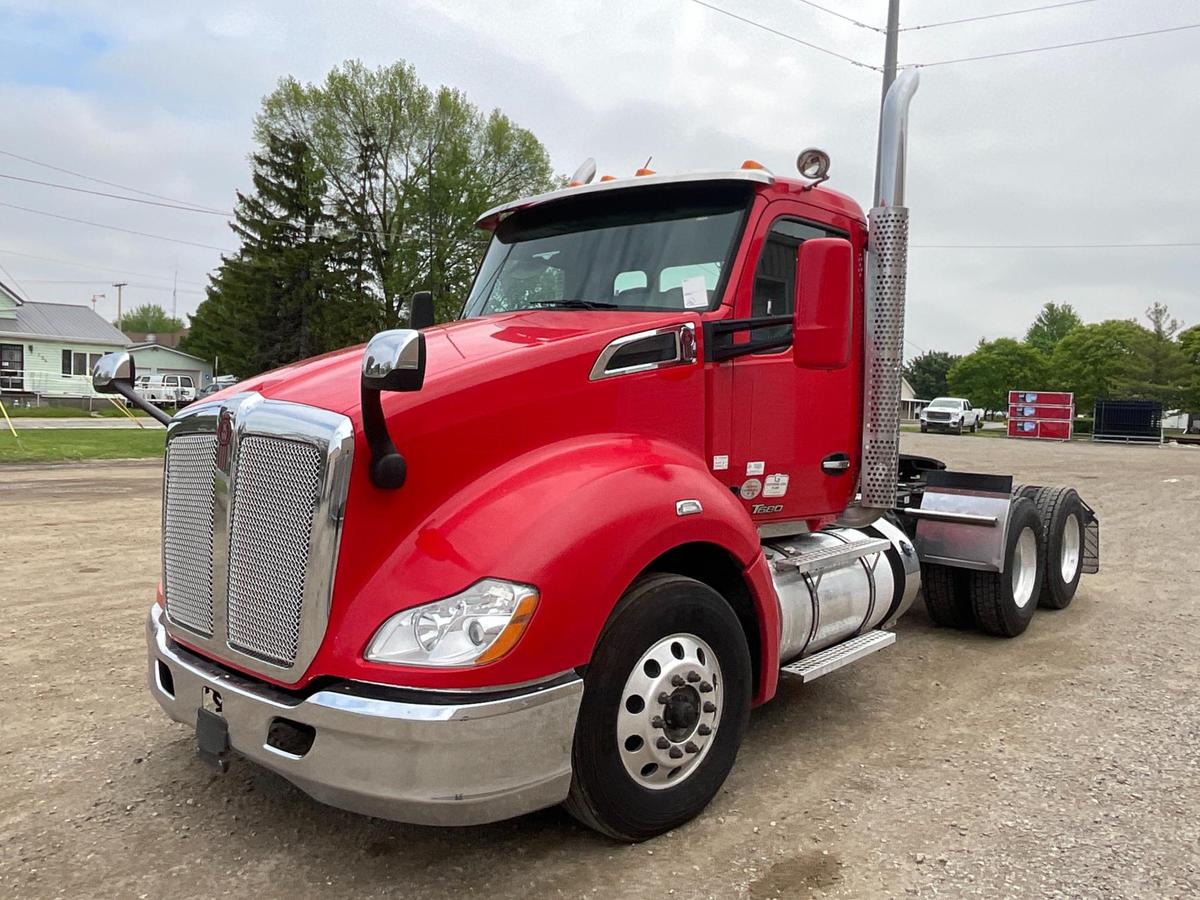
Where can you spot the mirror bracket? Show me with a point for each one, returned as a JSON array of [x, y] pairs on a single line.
[[392, 361]]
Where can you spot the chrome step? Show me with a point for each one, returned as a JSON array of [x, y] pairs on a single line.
[[832, 556], [813, 667]]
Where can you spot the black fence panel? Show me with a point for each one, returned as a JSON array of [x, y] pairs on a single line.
[[1128, 420]]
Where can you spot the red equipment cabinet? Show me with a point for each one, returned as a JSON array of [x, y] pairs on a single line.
[[1046, 415]]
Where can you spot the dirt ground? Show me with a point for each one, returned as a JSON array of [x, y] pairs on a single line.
[[1065, 763]]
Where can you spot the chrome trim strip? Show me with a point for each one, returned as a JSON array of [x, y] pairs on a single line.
[[494, 216], [685, 351], [333, 435], [941, 515]]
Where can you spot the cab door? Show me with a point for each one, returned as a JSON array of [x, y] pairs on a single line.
[[795, 442]]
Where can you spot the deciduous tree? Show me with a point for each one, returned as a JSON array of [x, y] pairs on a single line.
[[926, 373], [150, 319], [996, 367]]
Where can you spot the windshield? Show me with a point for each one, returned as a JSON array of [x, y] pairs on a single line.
[[647, 250], [945, 404]]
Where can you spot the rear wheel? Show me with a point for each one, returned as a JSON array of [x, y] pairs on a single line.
[[1004, 602], [1062, 515], [947, 597], [665, 704]]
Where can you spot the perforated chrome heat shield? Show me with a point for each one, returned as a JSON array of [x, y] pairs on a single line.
[[253, 496], [887, 264]]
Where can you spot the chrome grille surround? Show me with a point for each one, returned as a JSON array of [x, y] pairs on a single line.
[[278, 494]]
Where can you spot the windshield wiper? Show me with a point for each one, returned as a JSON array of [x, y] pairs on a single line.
[[573, 304]]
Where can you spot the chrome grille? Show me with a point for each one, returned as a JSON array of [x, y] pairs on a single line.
[[274, 499], [253, 503], [188, 531]]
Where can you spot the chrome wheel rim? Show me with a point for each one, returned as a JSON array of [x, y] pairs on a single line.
[[670, 711], [1072, 541], [1024, 568]]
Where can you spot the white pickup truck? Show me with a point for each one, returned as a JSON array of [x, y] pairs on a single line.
[[167, 390], [951, 414]]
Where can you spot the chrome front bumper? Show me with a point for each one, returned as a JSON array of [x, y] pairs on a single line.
[[462, 763]]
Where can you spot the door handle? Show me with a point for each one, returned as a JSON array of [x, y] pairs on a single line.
[[835, 464]]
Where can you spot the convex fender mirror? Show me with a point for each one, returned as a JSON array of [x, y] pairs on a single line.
[[393, 361], [114, 373]]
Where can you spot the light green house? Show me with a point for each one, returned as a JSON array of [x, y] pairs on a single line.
[[154, 359], [47, 350]]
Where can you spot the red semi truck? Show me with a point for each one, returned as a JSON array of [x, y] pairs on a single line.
[[555, 551]]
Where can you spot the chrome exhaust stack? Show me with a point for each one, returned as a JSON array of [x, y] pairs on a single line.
[[887, 265]]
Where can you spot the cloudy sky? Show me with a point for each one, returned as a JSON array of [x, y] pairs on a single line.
[[1090, 145]]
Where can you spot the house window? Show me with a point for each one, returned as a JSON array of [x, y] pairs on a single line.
[[79, 363], [66, 362]]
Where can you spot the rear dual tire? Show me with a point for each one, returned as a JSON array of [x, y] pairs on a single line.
[[1063, 515]]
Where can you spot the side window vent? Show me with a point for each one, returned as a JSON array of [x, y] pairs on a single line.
[[646, 350]]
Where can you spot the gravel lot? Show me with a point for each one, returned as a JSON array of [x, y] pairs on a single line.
[[1063, 763]]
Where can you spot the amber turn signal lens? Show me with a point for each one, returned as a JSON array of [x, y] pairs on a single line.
[[512, 632]]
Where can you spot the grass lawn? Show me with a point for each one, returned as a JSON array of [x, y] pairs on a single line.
[[58, 444]]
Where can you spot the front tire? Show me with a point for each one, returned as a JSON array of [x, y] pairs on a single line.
[[665, 704], [1004, 602]]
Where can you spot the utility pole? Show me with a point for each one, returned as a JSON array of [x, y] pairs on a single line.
[[891, 40], [119, 285]]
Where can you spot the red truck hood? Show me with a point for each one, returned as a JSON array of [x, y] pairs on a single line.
[[332, 381]]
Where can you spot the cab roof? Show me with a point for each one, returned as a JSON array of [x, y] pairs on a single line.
[[763, 181]]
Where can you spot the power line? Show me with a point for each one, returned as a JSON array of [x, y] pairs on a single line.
[[124, 187], [13, 279], [1056, 246], [999, 15], [137, 284], [79, 265], [157, 237], [1104, 40], [67, 187], [843, 16], [784, 35]]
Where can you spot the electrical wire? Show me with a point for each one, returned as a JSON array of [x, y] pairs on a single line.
[[157, 237], [1104, 40], [124, 187], [67, 187], [1055, 246], [13, 279], [999, 15], [88, 266], [786, 36], [843, 16], [137, 284]]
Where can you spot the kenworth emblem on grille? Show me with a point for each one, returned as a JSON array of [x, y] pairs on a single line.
[[224, 436]]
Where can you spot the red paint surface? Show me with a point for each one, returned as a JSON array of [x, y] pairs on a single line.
[[519, 467]]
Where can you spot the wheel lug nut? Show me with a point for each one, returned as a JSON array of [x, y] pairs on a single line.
[[664, 698], [693, 677], [677, 680], [705, 687], [704, 731], [657, 722], [662, 743], [675, 753], [709, 706], [691, 747]]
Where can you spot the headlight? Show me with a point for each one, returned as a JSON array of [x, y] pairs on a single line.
[[475, 627]]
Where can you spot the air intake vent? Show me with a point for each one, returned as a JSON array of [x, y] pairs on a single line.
[[188, 531], [275, 498]]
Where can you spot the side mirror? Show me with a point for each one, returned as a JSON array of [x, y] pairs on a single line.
[[420, 310], [112, 368], [393, 361], [824, 304], [114, 374]]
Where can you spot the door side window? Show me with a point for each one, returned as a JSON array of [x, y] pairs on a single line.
[[774, 291]]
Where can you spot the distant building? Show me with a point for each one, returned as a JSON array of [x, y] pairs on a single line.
[[910, 405], [155, 359], [162, 338], [47, 350]]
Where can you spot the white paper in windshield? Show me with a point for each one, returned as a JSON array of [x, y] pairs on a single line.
[[695, 292]]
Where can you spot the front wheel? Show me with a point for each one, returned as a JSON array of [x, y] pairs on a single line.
[[666, 701]]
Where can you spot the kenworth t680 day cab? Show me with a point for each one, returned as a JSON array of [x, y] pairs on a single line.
[[555, 551]]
